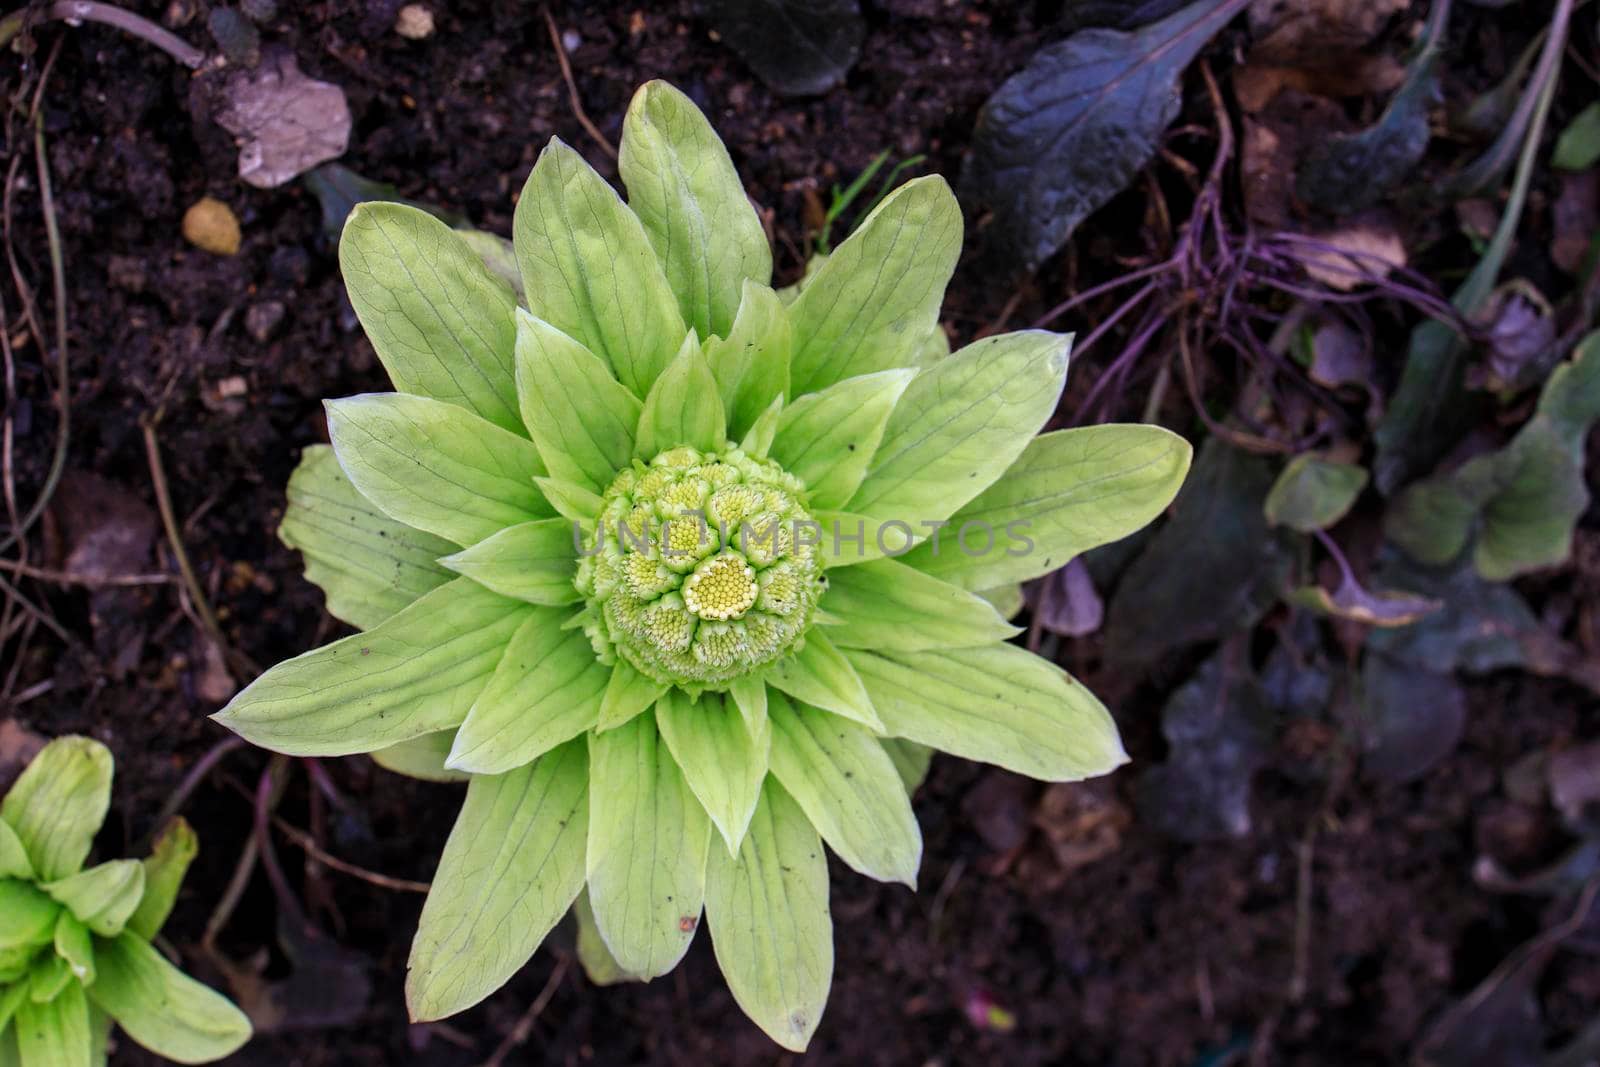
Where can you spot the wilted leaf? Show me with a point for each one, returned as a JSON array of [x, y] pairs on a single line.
[[1313, 493], [338, 189], [1066, 602], [1575, 220], [1350, 172], [1213, 568], [798, 48], [285, 122], [1520, 331], [1352, 601], [1364, 250], [1219, 730], [1071, 129], [1479, 627], [1411, 718], [1115, 14], [1294, 31]]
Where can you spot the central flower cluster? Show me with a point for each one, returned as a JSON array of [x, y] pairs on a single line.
[[702, 567]]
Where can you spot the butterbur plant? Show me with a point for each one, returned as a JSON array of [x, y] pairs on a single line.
[[677, 571], [75, 952]]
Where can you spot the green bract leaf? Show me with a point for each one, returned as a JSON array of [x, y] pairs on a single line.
[[1312, 493], [58, 802], [532, 561], [886, 604], [27, 916], [162, 1008], [439, 321], [164, 869], [101, 897], [871, 304], [821, 676], [849, 789], [589, 270], [827, 439], [770, 927], [846, 539], [48, 977], [55, 1033], [752, 364], [648, 837], [627, 694], [999, 705], [413, 674], [14, 862], [512, 867], [599, 966], [434, 467], [721, 762], [574, 503], [911, 760], [75, 947], [421, 757], [749, 695], [758, 442], [684, 189], [581, 419], [961, 424], [546, 690], [683, 407], [1069, 491], [368, 565]]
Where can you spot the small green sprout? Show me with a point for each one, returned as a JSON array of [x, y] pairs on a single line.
[[75, 952], [681, 572]]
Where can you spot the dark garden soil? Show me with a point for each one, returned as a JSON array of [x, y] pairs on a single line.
[[1052, 926]]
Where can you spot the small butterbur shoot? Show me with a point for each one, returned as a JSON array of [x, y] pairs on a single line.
[[679, 574], [75, 951]]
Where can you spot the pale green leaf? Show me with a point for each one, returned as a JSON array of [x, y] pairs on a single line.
[[14, 862], [50, 975], [367, 565], [581, 418], [820, 675], [532, 561], [546, 690], [27, 915], [886, 604], [751, 364], [422, 758], [438, 319], [589, 270], [175, 848], [683, 408], [961, 423], [497, 254], [847, 785], [828, 438], [55, 1033], [101, 897], [722, 763], [1313, 493], [749, 694], [512, 867], [162, 1008], [575, 503], [11, 997], [1071, 490], [844, 539], [599, 965], [684, 189], [871, 304], [770, 926], [910, 759], [1007, 599], [434, 467], [648, 837], [999, 705], [758, 441], [58, 802], [75, 947], [628, 692], [411, 675]]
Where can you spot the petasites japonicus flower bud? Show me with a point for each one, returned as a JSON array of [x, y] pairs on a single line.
[[684, 574]]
